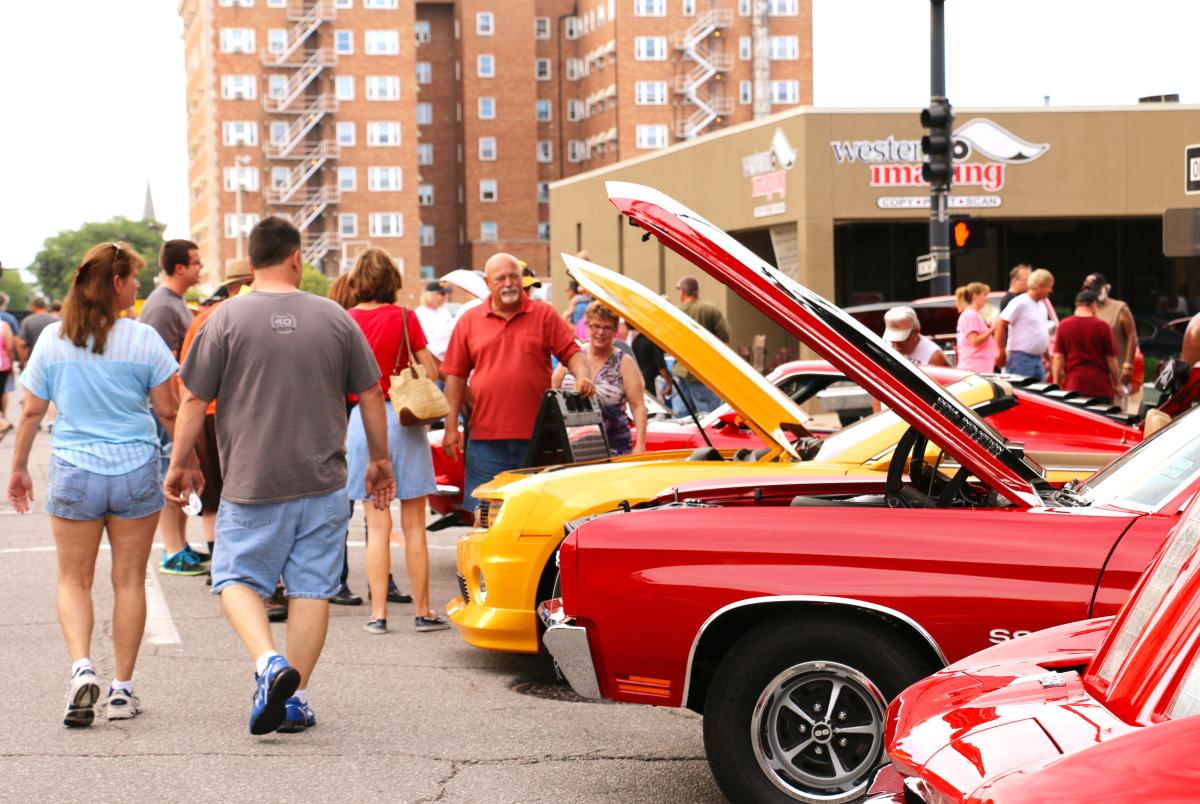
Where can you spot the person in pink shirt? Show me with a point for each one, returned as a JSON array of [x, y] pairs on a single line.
[[976, 347]]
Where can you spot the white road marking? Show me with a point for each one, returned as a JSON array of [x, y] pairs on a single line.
[[160, 628]]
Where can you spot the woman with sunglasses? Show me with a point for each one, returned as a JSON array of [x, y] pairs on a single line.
[[99, 370], [618, 382]]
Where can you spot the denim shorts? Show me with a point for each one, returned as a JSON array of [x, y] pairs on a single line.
[[302, 540], [78, 494]]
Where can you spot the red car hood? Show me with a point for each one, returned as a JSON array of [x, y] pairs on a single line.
[[837, 337]]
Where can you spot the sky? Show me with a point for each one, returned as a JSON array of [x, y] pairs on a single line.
[[92, 91]]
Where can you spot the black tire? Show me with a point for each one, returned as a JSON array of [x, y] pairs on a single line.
[[766, 700]]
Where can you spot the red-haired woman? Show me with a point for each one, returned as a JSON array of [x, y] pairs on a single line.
[[99, 370]]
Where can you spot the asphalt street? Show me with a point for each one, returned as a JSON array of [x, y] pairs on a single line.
[[401, 717]]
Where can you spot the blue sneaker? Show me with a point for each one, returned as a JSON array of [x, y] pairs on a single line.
[[182, 563], [273, 688], [203, 558], [299, 717]]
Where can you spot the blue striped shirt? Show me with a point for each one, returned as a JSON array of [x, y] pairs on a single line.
[[104, 422]]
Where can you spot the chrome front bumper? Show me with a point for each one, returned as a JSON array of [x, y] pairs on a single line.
[[568, 644]]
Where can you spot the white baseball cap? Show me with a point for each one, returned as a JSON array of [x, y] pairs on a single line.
[[899, 322]]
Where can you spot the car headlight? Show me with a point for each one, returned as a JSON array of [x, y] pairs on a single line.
[[479, 582], [487, 512]]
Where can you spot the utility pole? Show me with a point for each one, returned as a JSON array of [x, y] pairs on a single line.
[[239, 162], [938, 146]]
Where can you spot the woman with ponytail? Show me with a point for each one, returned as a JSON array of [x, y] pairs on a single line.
[[99, 370]]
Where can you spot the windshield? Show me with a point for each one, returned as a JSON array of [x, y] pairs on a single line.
[[1154, 471]]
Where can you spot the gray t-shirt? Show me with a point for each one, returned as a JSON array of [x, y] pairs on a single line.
[[32, 326], [168, 313], [280, 366]]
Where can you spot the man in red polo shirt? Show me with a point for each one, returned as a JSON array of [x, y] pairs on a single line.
[[504, 346]]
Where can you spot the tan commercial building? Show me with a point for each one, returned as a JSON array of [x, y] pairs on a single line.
[[433, 128], [834, 198]]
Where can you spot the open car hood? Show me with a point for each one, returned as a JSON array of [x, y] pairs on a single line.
[[767, 410], [837, 337]]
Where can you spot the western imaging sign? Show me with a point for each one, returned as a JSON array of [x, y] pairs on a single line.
[[983, 154]]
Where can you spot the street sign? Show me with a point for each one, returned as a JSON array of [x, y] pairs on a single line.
[[1192, 163], [926, 267]]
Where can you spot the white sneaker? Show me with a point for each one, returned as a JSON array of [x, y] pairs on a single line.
[[122, 705], [81, 699]]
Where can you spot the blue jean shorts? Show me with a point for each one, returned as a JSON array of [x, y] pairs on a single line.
[[302, 540], [78, 494]]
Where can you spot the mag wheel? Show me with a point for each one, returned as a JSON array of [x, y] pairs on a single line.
[[796, 710]]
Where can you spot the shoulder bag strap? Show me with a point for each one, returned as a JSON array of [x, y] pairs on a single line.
[[406, 346]]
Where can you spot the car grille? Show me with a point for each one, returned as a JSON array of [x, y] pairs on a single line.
[[487, 513], [463, 590]]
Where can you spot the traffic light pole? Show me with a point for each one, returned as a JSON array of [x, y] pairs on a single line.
[[939, 199]]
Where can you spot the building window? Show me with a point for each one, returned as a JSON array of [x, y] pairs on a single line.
[[426, 235], [743, 8], [425, 153], [576, 110], [276, 40], [277, 86], [248, 221], [276, 3], [379, 3], [240, 132], [745, 48], [239, 87], [543, 190], [347, 179], [571, 27], [783, 8], [485, 23], [343, 42], [543, 110], [487, 108], [383, 134], [545, 151], [650, 8], [689, 8], [247, 177], [238, 3], [576, 151], [784, 48], [785, 92], [279, 177], [345, 132], [424, 114], [348, 224], [381, 43], [541, 69], [576, 69], [343, 3], [384, 179], [745, 92], [383, 87], [651, 93], [424, 72], [487, 149], [485, 65], [488, 191], [278, 132], [237, 40], [386, 224], [343, 87], [421, 28], [425, 195], [489, 232], [652, 136], [541, 28], [543, 231], [650, 48]]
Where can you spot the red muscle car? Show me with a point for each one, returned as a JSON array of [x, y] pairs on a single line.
[[1100, 710], [790, 613]]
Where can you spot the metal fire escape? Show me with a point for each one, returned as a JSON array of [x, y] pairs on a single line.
[[302, 194], [702, 64]]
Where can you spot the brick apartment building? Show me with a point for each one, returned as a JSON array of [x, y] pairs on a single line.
[[433, 129]]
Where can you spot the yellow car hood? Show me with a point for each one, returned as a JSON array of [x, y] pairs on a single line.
[[766, 409]]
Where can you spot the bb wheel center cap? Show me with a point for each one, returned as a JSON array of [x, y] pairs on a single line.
[[822, 733]]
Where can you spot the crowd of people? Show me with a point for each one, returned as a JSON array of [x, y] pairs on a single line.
[[1091, 351]]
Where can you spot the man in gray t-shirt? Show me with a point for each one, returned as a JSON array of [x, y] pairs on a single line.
[[279, 362], [31, 327]]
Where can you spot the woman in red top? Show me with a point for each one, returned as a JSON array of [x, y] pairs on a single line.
[[374, 282]]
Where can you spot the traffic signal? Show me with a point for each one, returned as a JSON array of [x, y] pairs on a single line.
[[966, 233], [937, 144]]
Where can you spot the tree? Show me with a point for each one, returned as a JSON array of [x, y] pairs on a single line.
[[54, 266], [18, 292], [313, 281]]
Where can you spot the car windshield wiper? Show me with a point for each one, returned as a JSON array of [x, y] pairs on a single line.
[[1071, 495]]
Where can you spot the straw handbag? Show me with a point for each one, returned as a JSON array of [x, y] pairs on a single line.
[[415, 397]]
